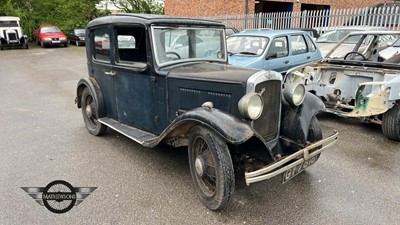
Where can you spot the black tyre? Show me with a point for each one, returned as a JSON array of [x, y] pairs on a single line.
[[77, 43], [211, 168], [314, 132], [89, 112], [391, 123], [66, 44], [43, 44]]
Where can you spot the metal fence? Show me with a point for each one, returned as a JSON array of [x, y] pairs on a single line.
[[320, 19]]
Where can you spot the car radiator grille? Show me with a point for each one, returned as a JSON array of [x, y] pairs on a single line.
[[268, 123], [12, 36]]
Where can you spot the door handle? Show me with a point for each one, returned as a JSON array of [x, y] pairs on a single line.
[[286, 62], [111, 73], [308, 57]]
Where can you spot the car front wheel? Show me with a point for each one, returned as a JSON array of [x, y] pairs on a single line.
[[211, 168], [89, 113], [391, 123]]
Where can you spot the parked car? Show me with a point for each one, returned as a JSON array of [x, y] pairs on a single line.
[[277, 50], [77, 37], [357, 83], [49, 35], [224, 114], [311, 31], [11, 33], [391, 50], [331, 37], [230, 30]]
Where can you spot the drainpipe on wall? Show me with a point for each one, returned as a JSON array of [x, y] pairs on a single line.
[[246, 10]]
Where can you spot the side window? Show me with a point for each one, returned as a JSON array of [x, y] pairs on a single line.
[[299, 45], [101, 45], [278, 48], [131, 46], [311, 44]]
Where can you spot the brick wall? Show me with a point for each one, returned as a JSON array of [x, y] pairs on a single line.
[[230, 7], [206, 7]]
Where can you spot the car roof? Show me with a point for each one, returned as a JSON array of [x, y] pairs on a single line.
[[268, 33], [374, 32], [9, 18], [41, 26], [356, 28], [147, 19]]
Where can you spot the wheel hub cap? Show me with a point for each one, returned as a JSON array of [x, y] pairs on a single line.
[[199, 165], [89, 111]]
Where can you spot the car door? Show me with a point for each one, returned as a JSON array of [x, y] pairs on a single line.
[[135, 87], [277, 53], [301, 50], [102, 68]]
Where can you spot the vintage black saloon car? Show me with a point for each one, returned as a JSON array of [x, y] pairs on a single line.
[[172, 84]]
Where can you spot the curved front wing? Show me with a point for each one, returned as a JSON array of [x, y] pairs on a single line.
[[295, 160]]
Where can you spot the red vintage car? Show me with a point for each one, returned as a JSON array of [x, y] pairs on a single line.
[[50, 35]]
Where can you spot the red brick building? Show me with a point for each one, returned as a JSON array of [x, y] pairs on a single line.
[[231, 7]]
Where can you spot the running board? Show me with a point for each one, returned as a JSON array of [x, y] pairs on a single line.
[[135, 134]]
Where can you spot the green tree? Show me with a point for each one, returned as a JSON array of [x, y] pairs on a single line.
[[66, 14], [140, 6]]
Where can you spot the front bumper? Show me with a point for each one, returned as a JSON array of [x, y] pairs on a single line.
[[55, 42], [290, 161]]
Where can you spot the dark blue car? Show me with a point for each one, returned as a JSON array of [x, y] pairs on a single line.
[[172, 84]]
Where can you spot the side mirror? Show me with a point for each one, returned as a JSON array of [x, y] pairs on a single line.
[[272, 56]]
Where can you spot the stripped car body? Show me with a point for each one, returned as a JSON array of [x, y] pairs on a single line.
[[11, 33], [358, 82], [191, 97]]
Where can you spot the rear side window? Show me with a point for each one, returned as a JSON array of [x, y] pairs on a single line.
[[131, 46], [299, 45], [311, 44], [101, 45]]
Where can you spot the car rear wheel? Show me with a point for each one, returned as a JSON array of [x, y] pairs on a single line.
[[211, 168], [391, 123], [89, 113]]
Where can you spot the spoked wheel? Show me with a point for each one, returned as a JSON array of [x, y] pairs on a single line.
[[89, 112], [211, 168]]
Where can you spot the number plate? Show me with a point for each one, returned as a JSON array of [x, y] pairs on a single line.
[[289, 174], [55, 42]]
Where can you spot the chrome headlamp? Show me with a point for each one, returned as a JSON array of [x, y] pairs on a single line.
[[251, 106], [294, 93]]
